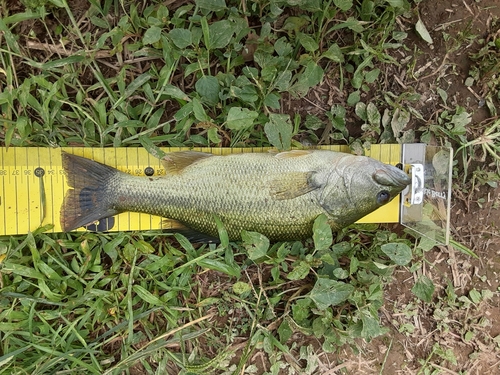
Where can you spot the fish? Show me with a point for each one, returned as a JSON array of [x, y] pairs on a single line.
[[276, 194]]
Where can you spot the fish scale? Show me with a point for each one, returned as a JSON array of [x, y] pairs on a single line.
[[195, 199], [279, 195]]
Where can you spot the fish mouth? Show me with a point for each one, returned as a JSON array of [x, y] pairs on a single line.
[[392, 177], [402, 178]]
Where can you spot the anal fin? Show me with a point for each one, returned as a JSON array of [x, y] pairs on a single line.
[[192, 235]]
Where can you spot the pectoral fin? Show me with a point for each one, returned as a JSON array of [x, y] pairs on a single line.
[[292, 185], [175, 162]]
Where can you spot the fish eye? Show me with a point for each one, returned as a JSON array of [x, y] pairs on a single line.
[[383, 197]]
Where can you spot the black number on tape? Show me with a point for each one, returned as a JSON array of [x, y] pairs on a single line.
[[39, 172]]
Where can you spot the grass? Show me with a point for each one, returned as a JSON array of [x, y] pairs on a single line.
[[210, 73]]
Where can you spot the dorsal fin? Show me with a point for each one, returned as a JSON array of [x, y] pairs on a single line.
[[175, 162], [292, 154]]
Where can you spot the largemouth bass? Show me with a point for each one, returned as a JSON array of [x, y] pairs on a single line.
[[279, 195]]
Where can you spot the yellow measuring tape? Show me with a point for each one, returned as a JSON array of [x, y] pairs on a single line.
[[33, 184]]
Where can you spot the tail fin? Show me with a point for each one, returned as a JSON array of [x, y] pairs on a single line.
[[88, 201]]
